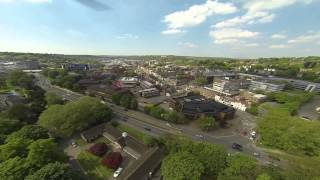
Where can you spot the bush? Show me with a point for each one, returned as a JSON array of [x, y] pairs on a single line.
[[112, 160], [207, 123], [253, 109], [149, 141], [98, 149]]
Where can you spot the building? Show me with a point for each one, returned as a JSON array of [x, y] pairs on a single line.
[[75, 67], [126, 82], [213, 75], [146, 85], [195, 106], [229, 87], [297, 84], [267, 85], [94, 133], [146, 93]]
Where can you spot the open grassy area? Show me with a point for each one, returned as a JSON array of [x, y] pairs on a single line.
[[133, 132], [92, 166]]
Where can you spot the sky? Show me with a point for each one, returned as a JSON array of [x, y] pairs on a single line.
[[224, 28]]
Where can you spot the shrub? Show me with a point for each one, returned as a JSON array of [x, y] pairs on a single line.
[[98, 149], [112, 160], [207, 123]]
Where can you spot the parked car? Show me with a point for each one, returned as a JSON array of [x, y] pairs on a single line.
[[124, 119], [256, 154], [199, 136], [73, 144], [147, 129], [237, 146], [117, 172]]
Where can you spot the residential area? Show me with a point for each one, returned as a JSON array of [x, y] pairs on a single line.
[[147, 104]]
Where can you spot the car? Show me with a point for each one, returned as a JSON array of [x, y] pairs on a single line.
[[256, 154], [147, 129], [237, 146], [124, 119], [117, 172], [73, 144], [199, 136]]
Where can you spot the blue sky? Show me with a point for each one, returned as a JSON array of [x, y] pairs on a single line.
[[224, 28]]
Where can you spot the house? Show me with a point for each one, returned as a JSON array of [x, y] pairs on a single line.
[[122, 141], [145, 167], [93, 133]]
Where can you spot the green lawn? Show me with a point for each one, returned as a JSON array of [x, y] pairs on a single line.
[[92, 166], [132, 132]]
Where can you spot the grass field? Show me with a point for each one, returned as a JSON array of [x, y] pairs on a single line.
[[92, 166], [133, 132]]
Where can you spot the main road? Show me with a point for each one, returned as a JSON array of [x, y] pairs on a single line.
[[156, 127]]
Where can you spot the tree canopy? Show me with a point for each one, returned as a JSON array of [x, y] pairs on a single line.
[[181, 166], [206, 123], [64, 120]]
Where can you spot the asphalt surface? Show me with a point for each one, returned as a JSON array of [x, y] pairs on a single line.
[[156, 127]]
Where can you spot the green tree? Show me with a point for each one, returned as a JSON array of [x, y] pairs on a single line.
[[181, 166], [264, 177], [53, 99], [16, 147], [64, 120], [200, 80], [21, 112], [125, 100], [44, 151], [240, 167], [206, 123], [13, 169], [8, 126], [32, 132], [53, 171], [157, 112], [149, 141], [175, 117], [134, 104], [20, 79], [116, 98]]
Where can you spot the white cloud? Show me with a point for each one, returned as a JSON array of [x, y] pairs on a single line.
[[127, 36], [249, 18], [306, 38], [173, 31], [196, 15], [231, 35], [278, 46], [266, 5], [29, 1], [252, 45], [188, 44], [258, 11], [279, 36]]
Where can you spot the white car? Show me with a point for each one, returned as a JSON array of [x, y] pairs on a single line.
[[74, 144], [117, 172]]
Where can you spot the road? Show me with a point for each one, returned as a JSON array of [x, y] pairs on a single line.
[[140, 121]]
